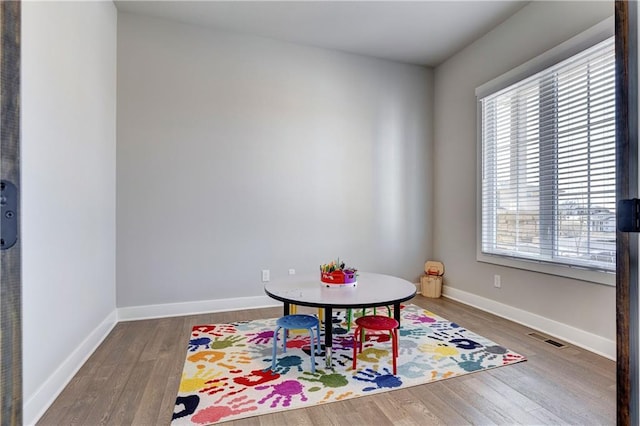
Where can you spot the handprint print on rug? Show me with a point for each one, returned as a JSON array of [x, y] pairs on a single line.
[[407, 347], [213, 330], [206, 356], [227, 342], [327, 382], [284, 392], [261, 338], [197, 381], [217, 412], [438, 350], [510, 358], [187, 405], [473, 361], [195, 344], [246, 326], [414, 333], [413, 370], [298, 342], [418, 319], [380, 381], [256, 377], [341, 343], [456, 337], [373, 355], [332, 380], [341, 360], [215, 386], [259, 351], [232, 361], [284, 364]]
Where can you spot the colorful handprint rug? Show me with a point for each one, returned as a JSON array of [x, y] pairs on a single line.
[[228, 376]]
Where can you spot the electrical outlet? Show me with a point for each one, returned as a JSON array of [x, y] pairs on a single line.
[[496, 281], [292, 271], [265, 275]]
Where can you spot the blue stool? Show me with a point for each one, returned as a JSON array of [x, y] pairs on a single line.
[[298, 321]]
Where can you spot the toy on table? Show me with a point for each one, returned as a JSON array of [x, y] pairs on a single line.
[[336, 273]]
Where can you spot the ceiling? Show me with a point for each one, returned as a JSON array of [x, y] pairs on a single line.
[[417, 32]]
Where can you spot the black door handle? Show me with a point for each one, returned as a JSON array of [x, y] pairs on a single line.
[[9, 214], [628, 212]]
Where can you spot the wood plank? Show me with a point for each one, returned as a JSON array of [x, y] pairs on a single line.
[[418, 412]]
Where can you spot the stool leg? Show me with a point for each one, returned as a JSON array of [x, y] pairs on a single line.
[[275, 349], [284, 340], [395, 350], [397, 334], [355, 346], [311, 350]]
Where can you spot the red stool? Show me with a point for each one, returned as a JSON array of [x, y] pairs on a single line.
[[377, 323]]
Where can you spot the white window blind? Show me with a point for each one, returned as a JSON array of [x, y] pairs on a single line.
[[548, 164]]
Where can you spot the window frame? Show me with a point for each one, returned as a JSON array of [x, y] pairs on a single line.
[[571, 47]]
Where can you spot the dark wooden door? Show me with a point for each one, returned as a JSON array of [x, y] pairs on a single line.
[[10, 280], [626, 188]]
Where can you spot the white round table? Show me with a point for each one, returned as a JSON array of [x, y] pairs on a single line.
[[372, 290]]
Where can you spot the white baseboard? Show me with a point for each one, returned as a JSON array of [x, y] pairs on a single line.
[[584, 339], [40, 401], [193, 308]]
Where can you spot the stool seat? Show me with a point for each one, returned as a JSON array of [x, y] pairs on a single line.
[[297, 321], [377, 322]]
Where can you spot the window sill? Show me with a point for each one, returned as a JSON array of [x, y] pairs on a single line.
[[598, 277]]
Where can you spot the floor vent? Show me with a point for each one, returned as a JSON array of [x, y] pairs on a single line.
[[547, 339]]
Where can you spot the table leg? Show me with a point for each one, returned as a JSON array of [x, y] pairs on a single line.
[[286, 308], [396, 312], [328, 336]]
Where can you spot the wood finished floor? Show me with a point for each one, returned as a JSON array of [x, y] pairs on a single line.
[[133, 377]]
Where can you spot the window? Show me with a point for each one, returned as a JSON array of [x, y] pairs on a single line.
[[547, 190]]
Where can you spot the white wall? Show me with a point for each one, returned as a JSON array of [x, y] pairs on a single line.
[[237, 154], [68, 190], [585, 311]]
